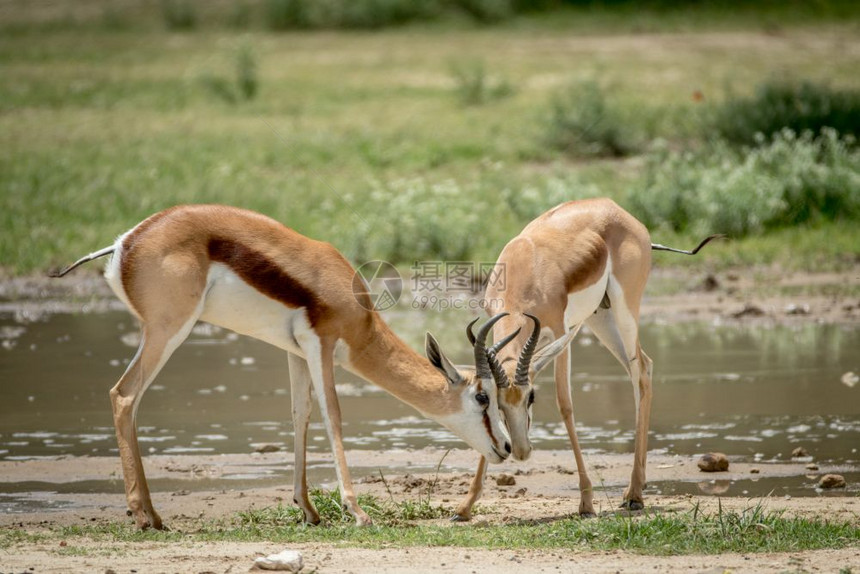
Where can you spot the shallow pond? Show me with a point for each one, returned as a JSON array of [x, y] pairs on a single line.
[[753, 392]]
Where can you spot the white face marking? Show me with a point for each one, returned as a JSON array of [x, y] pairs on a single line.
[[471, 423]]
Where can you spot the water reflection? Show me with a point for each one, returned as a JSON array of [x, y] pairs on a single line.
[[752, 392]]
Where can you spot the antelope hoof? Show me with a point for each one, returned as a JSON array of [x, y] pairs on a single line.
[[461, 518], [633, 505], [587, 514], [363, 520], [145, 521]]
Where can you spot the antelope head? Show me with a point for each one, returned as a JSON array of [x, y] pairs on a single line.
[[478, 420], [515, 381]]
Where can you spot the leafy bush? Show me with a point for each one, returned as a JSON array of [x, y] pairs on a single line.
[[799, 107], [788, 181], [178, 14], [474, 87], [409, 220], [581, 122], [311, 14]]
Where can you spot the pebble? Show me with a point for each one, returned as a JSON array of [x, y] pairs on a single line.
[[287, 560], [811, 466], [267, 448], [799, 452], [755, 471], [505, 480], [832, 481], [713, 462]]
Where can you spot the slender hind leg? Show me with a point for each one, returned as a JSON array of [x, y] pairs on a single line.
[[565, 406], [464, 511], [300, 393], [618, 330], [156, 346]]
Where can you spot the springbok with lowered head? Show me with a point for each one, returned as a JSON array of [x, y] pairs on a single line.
[[582, 262], [246, 272]]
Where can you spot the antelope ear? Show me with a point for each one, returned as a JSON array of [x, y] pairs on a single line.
[[438, 359], [545, 355]]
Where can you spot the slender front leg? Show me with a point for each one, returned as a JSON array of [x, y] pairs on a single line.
[[565, 407], [320, 359], [464, 511], [300, 394], [640, 374]]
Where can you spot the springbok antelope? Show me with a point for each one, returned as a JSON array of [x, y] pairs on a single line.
[[582, 262], [246, 272]]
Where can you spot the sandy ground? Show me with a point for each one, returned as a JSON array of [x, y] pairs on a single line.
[[544, 489], [767, 296]]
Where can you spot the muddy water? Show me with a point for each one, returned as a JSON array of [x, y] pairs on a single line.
[[752, 392]]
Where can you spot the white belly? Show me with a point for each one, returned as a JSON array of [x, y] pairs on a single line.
[[582, 304], [233, 304]]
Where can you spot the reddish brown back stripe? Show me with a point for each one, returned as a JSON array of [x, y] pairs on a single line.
[[266, 277]]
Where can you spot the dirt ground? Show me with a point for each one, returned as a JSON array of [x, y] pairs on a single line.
[[547, 478], [544, 489]]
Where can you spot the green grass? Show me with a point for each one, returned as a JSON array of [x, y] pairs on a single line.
[[405, 524], [100, 126]]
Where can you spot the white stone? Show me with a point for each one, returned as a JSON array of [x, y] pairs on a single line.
[[288, 560]]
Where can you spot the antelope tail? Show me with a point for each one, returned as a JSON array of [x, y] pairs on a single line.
[[705, 241], [82, 260]]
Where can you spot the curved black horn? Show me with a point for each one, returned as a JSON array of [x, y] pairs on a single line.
[[522, 374], [482, 363], [469, 334], [498, 373]]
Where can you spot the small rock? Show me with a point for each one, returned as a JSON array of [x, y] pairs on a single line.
[[811, 466], [521, 492], [288, 560], [749, 310], [713, 462], [709, 283], [793, 309], [799, 452], [832, 481], [263, 448], [850, 379], [754, 471], [505, 480]]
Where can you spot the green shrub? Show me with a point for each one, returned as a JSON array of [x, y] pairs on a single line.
[[487, 11], [799, 107], [178, 14], [474, 87], [245, 84], [581, 122], [787, 181], [360, 14], [246, 72]]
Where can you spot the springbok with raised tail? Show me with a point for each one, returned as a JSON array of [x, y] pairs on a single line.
[[246, 272], [582, 262]]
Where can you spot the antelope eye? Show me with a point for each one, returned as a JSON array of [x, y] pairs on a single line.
[[531, 398], [483, 399]]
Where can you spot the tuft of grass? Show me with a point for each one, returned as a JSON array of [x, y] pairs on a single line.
[[243, 87], [178, 14], [691, 532], [582, 122], [474, 87], [778, 105]]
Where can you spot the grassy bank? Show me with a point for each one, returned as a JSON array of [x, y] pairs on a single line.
[[367, 139], [410, 523]]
